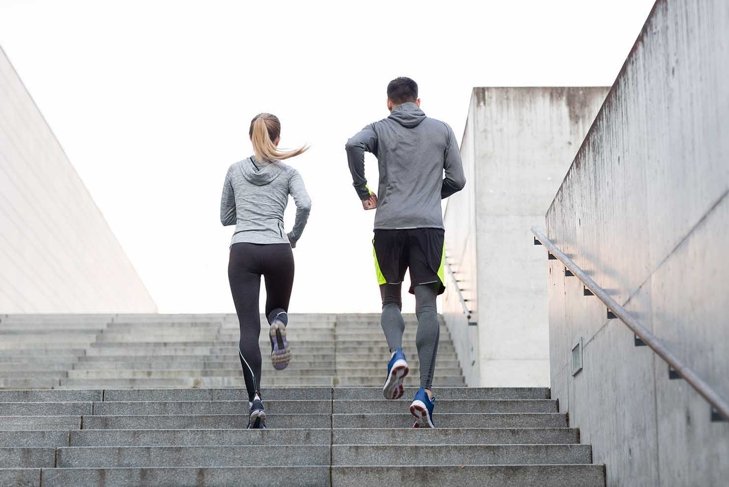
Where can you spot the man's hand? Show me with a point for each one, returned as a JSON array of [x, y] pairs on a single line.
[[370, 203]]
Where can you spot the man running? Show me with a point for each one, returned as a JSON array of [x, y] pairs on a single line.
[[419, 164]]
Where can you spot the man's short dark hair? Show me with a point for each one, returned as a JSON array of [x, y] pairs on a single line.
[[402, 90]]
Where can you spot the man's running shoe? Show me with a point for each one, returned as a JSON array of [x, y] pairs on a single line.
[[422, 409], [257, 415], [397, 369], [280, 351]]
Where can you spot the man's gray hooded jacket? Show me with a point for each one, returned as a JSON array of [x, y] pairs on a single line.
[[419, 164]]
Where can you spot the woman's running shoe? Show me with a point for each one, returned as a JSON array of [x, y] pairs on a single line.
[[397, 369], [422, 409], [280, 351], [256, 415]]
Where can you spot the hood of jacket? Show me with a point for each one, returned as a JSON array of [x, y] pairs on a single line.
[[408, 115], [259, 173]]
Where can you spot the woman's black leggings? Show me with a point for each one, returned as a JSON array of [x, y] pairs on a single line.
[[248, 262]]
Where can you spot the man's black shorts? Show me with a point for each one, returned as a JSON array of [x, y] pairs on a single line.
[[421, 250]]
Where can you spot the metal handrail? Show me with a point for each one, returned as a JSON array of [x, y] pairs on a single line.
[[466, 310], [704, 389]]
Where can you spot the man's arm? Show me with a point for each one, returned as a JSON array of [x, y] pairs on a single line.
[[454, 180], [364, 141]]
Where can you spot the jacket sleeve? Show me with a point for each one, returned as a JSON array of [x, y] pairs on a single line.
[[303, 206], [364, 141], [227, 202], [454, 179]]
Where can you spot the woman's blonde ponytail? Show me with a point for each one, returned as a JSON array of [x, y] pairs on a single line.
[[265, 129]]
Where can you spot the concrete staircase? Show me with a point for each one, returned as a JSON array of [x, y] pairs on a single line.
[[159, 400]]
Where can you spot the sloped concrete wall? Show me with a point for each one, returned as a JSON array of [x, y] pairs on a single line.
[[644, 210], [57, 253], [517, 146]]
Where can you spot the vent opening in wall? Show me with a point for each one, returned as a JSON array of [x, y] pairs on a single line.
[[577, 357]]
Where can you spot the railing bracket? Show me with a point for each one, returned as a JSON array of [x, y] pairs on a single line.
[[638, 341], [550, 256], [610, 315], [716, 416], [673, 373], [587, 292], [536, 241], [568, 273]]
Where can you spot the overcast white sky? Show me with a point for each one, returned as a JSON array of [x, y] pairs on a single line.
[[151, 100]]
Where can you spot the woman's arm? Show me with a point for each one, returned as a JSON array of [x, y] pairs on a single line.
[[227, 202], [303, 206]]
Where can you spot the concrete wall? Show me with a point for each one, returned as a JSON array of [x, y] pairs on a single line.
[[57, 253], [517, 146], [644, 210], [460, 237]]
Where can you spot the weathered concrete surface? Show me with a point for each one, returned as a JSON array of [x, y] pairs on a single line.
[[57, 253], [644, 211], [517, 146]]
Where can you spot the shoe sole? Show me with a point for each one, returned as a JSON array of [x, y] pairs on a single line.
[[280, 352], [422, 418], [257, 420], [393, 388]]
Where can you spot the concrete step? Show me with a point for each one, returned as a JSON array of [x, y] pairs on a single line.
[[463, 420], [27, 457], [28, 383], [373, 380], [187, 476], [40, 423], [20, 476], [204, 421], [198, 437], [9, 356], [34, 439], [28, 373], [442, 393], [193, 456], [119, 408], [449, 454], [238, 394], [232, 365], [45, 408], [7, 368], [450, 406], [196, 382], [466, 436], [211, 357], [50, 396], [481, 475]]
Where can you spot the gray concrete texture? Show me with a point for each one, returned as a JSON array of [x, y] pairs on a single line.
[[644, 211], [136, 435], [517, 146]]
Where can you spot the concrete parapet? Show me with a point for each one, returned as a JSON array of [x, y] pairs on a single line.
[[644, 210]]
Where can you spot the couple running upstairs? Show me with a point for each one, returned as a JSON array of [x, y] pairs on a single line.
[[419, 164]]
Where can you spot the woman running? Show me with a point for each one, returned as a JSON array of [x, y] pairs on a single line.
[[255, 195]]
